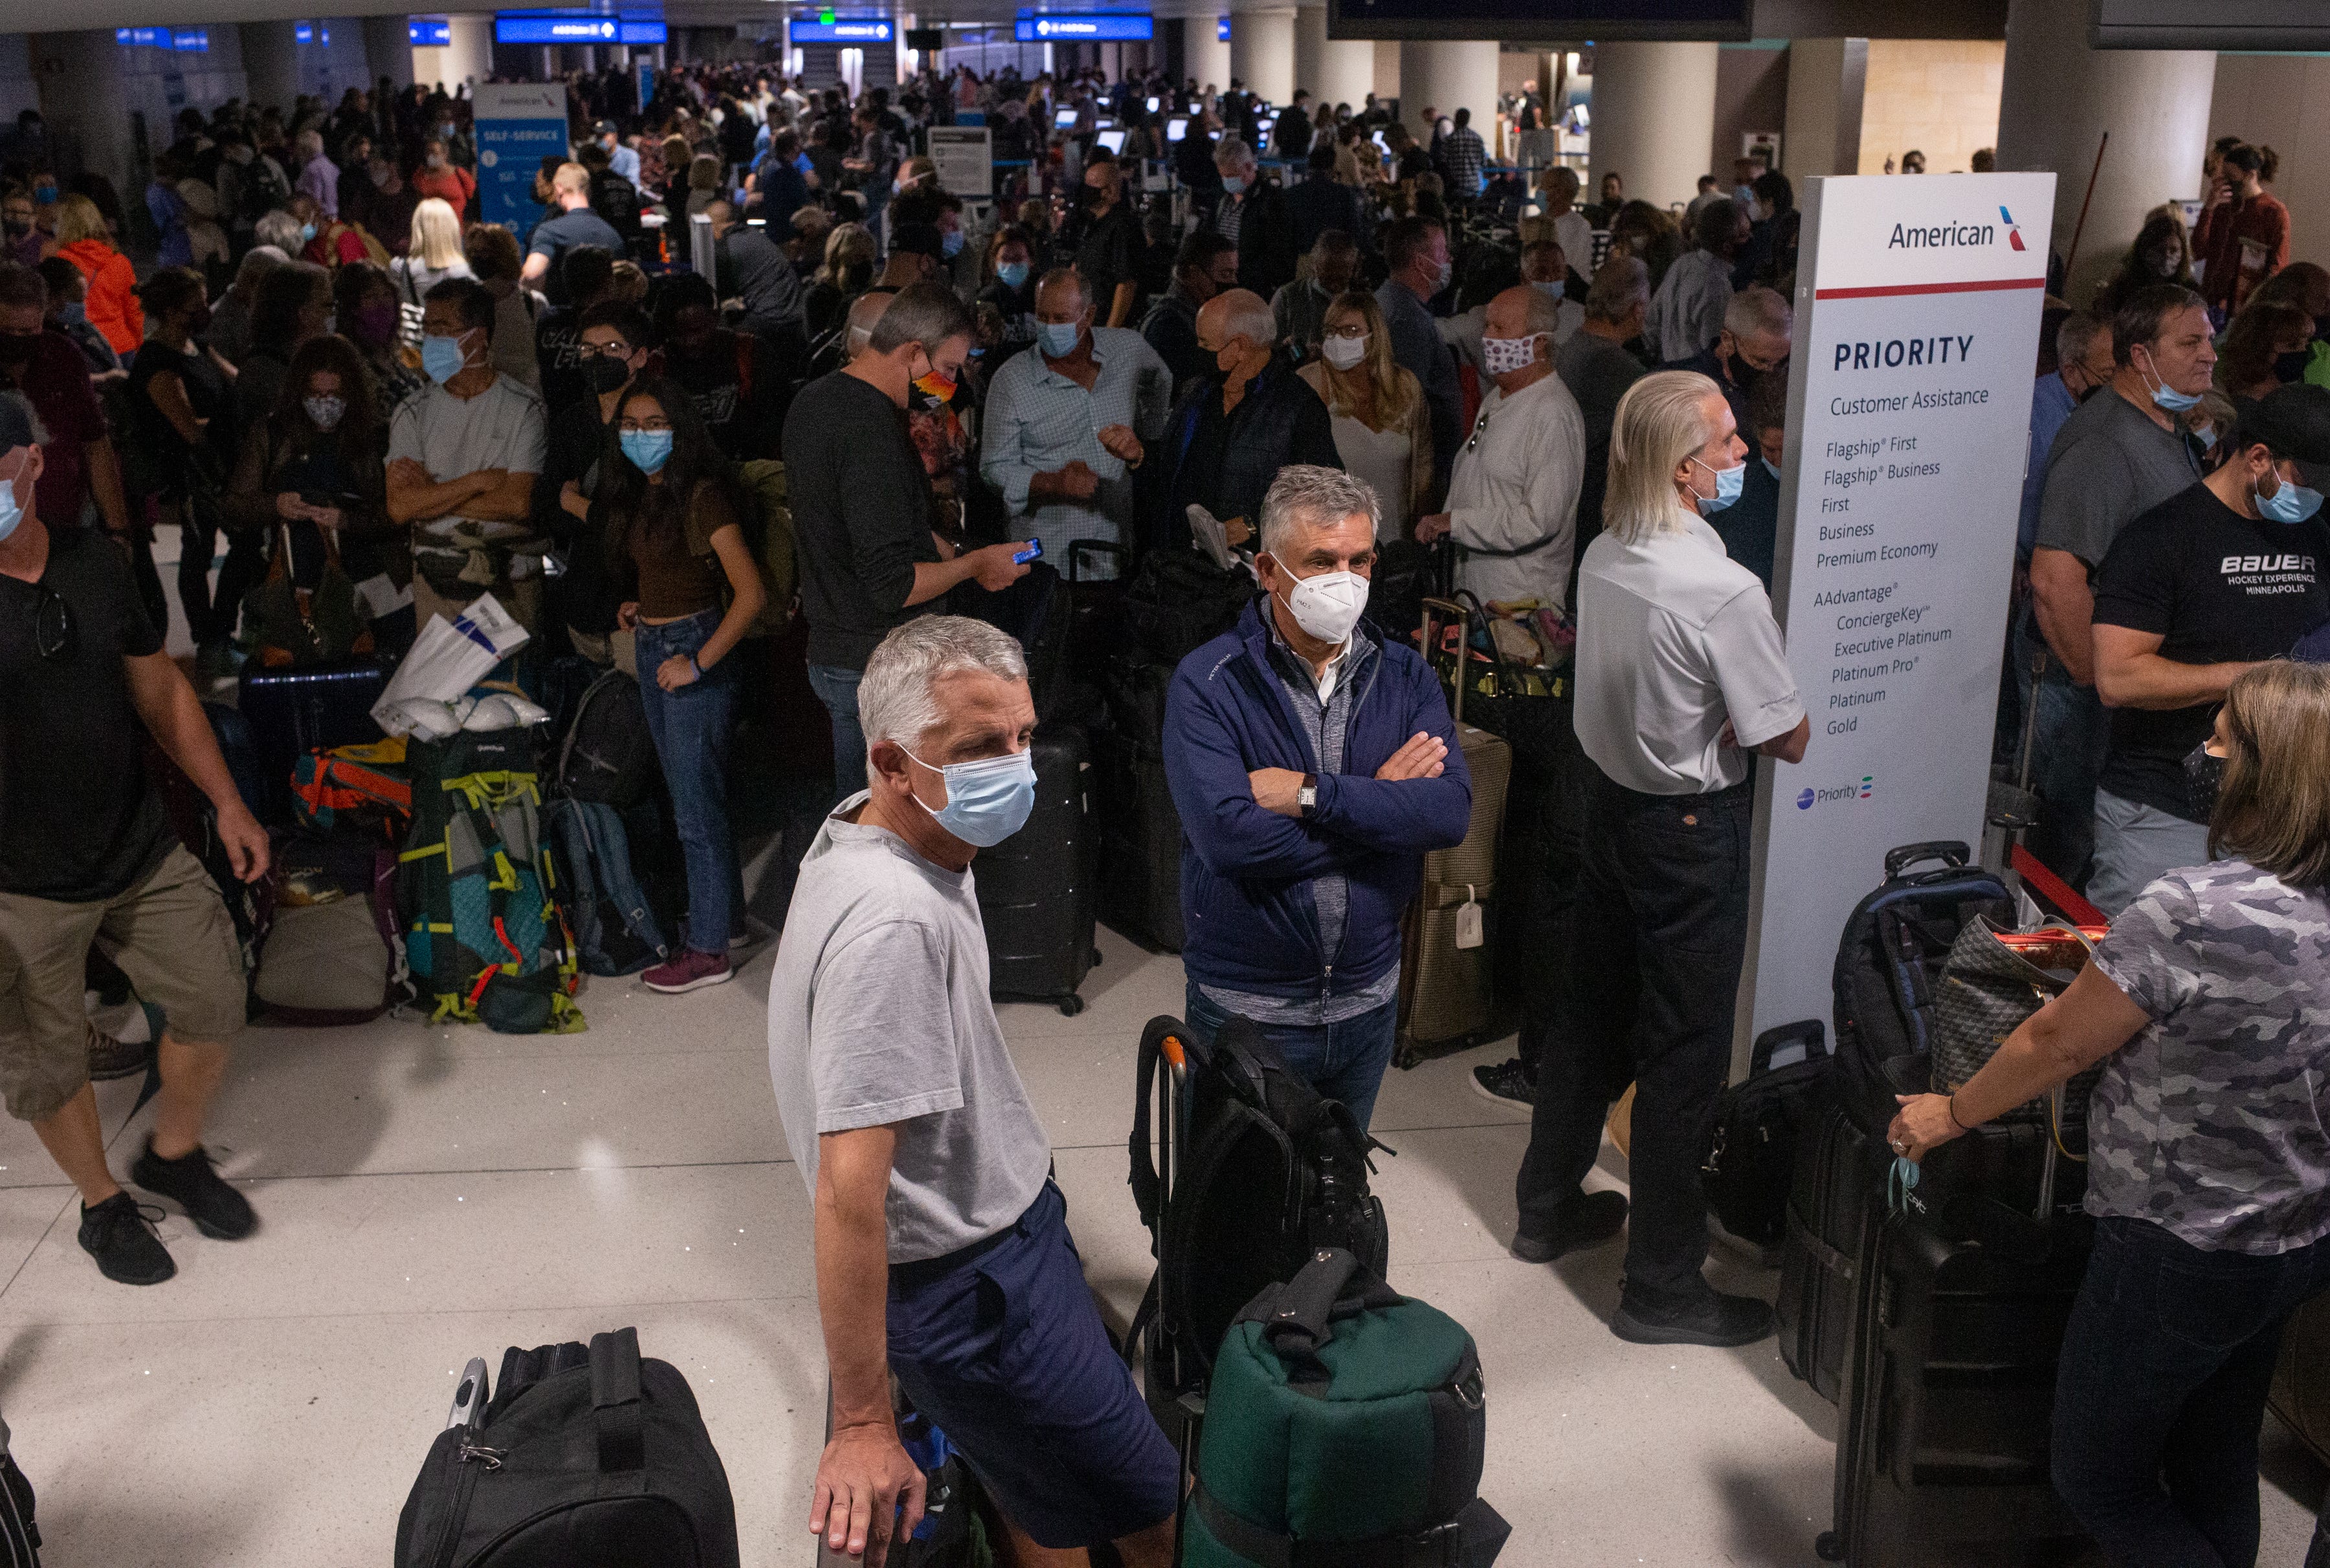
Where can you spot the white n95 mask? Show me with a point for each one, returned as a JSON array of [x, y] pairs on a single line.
[[1328, 605]]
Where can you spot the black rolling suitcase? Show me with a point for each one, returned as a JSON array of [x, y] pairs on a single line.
[[1948, 1395], [1038, 890], [1887, 960], [583, 1457], [1140, 831], [293, 712]]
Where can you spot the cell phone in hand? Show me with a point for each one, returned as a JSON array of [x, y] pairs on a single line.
[[1035, 548]]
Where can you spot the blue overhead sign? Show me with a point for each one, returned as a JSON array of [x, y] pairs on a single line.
[[1085, 26], [303, 33], [642, 33], [1221, 29], [843, 31], [429, 31], [191, 41], [577, 29]]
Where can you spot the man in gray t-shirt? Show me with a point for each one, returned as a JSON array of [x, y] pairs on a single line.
[[942, 1247], [2121, 453]]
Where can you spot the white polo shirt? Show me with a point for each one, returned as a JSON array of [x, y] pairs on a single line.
[[1674, 637]]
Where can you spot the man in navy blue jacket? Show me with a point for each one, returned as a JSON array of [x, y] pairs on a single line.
[[1313, 765]]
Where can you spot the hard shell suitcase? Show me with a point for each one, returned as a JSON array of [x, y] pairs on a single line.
[[1948, 1396], [1038, 890], [294, 711], [1139, 829], [1447, 999], [590, 1458]]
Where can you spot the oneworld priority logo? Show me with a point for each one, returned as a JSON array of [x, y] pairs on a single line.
[[2013, 235], [1863, 790]]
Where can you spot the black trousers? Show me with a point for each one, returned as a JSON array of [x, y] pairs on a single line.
[[1538, 863], [1662, 929]]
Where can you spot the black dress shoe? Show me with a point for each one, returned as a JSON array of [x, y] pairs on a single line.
[[1714, 1319], [1592, 1219], [119, 1236], [216, 1208]]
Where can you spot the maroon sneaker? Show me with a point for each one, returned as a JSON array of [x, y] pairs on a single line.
[[690, 971]]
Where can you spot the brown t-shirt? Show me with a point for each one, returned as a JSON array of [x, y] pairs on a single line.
[[680, 574]]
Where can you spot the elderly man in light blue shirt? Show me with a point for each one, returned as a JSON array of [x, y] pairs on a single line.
[[1068, 423]]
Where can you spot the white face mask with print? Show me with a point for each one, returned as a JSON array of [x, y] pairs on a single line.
[[1504, 355]]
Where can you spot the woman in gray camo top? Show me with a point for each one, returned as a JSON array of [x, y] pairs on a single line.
[[2209, 1164]]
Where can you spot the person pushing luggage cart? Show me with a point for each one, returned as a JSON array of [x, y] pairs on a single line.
[[935, 1216]]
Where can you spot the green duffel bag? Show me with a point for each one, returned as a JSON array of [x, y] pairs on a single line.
[[1344, 1429]]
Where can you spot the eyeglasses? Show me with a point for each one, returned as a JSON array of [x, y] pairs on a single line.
[[52, 624]]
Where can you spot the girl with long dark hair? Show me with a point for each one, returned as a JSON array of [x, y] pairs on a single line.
[[314, 468], [671, 513]]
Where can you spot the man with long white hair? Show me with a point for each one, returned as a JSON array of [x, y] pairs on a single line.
[[1681, 676]]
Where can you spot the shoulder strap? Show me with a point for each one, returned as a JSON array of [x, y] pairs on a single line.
[[1148, 1187], [615, 1404]]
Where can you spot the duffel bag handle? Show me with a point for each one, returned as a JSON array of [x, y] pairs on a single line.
[[615, 1401], [1297, 1322], [1951, 851]]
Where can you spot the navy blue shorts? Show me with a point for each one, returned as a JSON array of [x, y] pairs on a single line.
[[1005, 1352]]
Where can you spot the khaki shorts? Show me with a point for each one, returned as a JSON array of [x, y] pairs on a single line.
[[170, 934], [521, 598]]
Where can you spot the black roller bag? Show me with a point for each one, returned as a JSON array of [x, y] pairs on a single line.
[[1887, 961], [585, 1457], [1141, 830], [1039, 889]]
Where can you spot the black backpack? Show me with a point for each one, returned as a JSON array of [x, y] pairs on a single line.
[[1180, 601], [583, 1457], [1751, 1156], [608, 756], [1266, 1173]]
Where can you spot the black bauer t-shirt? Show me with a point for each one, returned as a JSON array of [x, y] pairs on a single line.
[[78, 821], [2216, 587]]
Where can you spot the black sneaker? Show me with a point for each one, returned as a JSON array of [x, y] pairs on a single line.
[[112, 1058], [1509, 1082], [216, 1208], [1594, 1218], [119, 1236], [1713, 1320]]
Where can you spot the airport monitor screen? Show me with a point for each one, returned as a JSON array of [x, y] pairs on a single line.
[[1113, 140], [1063, 119], [1177, 127]]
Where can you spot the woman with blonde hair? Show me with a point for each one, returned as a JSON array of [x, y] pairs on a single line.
[[2207, 1163], [433, 252], [83, 240], [1681, 679], [1383, 427], [848, 269], [703, 182]]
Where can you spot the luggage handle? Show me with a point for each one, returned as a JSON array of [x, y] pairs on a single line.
[[1809, 1033], [1079, 548], [1950, 852], [1297, 1323], [469, 1396], [615, 1403]]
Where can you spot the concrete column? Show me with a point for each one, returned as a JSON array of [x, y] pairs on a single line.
[[1334, 69], [270, 63], [1206, 58], [1386, 52], [1827, 78], [1262, 53], [2058, 98], [1654, 117], [469, 58], [1448, 76], [85, 99], [388, 45]]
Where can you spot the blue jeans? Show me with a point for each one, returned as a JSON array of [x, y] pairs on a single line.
[[837, 688], [1343, 1061], [2067, 755], [691, 730], [2162, 1385]]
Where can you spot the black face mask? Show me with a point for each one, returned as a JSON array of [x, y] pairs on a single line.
[[17, 348], [2203, 775], [2291, 366], [604, 373]]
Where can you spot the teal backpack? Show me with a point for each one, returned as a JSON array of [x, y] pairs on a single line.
[[1344, 1428], [476, 894]]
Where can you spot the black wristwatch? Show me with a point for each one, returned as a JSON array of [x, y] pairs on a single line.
[[1306, 795]]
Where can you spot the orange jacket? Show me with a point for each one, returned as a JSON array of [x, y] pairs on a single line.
[[113, 307]]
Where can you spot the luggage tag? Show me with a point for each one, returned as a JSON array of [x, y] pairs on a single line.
[[1469, 932]]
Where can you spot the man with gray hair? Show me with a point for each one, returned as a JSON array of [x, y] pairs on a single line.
[[1758, 329], [1512, 501], [1687, 312], [1312, 764], [1234, 430], [1253, 217], [942, 1247]]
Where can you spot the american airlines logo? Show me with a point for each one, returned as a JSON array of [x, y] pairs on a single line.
[[1953, 235]]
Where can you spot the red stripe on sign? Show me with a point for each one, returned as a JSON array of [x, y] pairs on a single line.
[[1984, 285]]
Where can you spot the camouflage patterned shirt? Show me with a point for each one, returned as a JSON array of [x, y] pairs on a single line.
[[2208, 1121]]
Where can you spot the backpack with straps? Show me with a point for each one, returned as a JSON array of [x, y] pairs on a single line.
[[476, 894], [1346, 1427], [1264, 1171], [769, 532]]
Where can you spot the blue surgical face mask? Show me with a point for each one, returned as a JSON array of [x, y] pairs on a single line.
[[988, 800], [1555, 290], [2292, 503], [1770, 468], [1012, 274], [11, 513], [1233, 184], [1727, 483], [306, 233], [76, 313], [951, 243], [2164, 396], [648, 450], [441, 358], [1057, 339]]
